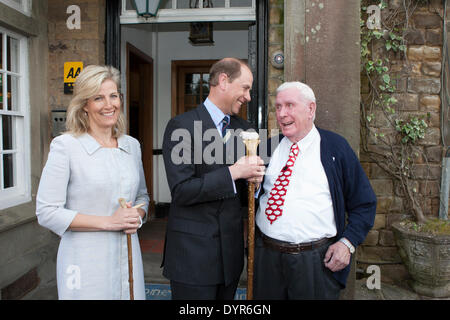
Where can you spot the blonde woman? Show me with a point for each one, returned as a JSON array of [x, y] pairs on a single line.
[[88, 169]]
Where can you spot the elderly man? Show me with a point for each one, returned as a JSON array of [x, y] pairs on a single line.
[[304, 246]]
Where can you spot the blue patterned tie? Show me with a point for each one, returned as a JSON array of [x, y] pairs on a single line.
[[225, 124]]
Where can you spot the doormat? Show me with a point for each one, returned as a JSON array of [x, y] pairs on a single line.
[[156, 291]]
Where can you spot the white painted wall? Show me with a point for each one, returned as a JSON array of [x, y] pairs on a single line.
[[167, 42]]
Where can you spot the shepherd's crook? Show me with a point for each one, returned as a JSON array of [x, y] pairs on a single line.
[[251, 141], [123, 204]]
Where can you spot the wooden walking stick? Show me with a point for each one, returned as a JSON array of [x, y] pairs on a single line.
[[251, 141], [123, 204]]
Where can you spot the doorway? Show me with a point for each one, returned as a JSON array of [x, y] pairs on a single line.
[[167, 43], [140, 109]]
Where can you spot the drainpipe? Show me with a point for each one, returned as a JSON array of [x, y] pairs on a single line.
[[445, 183], [445, 129]]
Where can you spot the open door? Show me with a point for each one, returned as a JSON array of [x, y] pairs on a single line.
[[140, 109]]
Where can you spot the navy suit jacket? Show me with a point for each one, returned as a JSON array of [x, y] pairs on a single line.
[[350, 190], [204, 238]]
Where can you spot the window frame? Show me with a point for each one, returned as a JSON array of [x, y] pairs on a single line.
[[226, 13], [21, 192], [178, 70], [24, 7]]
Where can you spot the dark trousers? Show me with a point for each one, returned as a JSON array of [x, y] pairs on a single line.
[[288, 276], [183, 291]]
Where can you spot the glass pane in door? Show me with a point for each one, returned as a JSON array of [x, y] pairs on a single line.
[[205, 86], [191, 91]]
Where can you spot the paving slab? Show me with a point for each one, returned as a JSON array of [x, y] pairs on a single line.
[[392, 292]]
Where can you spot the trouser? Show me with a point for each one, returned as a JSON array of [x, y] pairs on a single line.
[[183, 291], [286, 276]]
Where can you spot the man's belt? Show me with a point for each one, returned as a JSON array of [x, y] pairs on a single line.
[[292, 248]]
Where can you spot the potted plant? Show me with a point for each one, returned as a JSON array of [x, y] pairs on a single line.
[[391, 137]]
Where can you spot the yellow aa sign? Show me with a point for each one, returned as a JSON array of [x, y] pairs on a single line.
[[71, 71]]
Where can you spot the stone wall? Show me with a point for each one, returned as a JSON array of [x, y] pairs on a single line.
[[418, 93], [27, 251], [86, 44]]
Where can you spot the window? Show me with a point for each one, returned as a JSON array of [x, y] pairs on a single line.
[[193, 88], [23, 6], [184, 11], [14, 120], [190, 85]]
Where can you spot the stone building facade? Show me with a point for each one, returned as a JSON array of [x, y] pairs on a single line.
[[320, 43], [418, 90], [28, 251], [86, 44], [418, 93]]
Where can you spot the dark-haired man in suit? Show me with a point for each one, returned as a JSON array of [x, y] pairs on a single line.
[[204, 248]]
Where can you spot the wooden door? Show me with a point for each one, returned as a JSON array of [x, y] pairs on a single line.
[[140, 109]]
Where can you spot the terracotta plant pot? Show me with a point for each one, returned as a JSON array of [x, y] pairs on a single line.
[[427, 258]]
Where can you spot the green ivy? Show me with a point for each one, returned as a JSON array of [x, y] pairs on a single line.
[[401, 131], [412, 130], [383, 85]]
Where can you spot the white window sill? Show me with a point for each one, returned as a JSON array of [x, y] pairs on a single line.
[[18, 215]]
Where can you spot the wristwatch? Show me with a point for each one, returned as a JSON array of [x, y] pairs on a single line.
[[348, 244]]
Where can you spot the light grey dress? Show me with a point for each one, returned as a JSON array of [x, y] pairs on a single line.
[[80, 176]]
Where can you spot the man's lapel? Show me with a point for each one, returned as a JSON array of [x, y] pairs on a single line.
[[213, 136], [205, 118]]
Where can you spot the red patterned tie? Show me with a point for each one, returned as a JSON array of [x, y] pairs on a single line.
[[275, 202]]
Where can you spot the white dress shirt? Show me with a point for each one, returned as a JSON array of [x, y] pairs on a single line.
[[217, 116], [308, 209], [80, 176]]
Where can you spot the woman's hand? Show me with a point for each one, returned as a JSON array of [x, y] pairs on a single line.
[[126, 219], [141, 214]]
